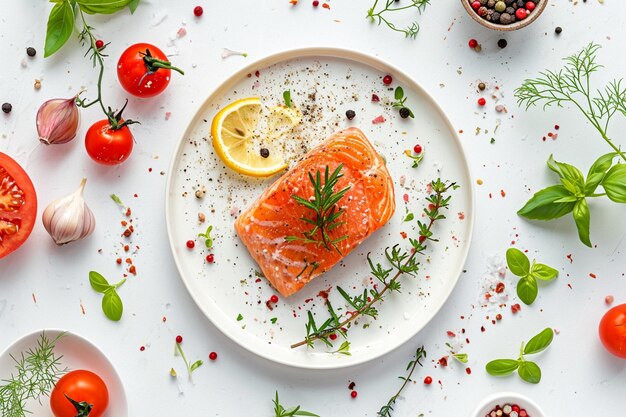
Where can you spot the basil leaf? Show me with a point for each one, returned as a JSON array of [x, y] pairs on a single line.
[[544, 206], [614, 183], [529, 372], [399, 93], [543, 272], [133, 5], [582, 218], [102, 6], [98, 282], [305, 413], [60, 27], [527, 290], [287, 98], [409, 217], [597, 172], [540, 342], [502, 367], [112, 305], [518, 262], [566, 171]]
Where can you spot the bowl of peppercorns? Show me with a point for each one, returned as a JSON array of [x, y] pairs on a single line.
[[505, 14], [507, 404]]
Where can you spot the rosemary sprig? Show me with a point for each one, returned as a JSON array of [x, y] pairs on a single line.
[[400, 260], [385, 410], [36, 372], [376, 16], [572, 84], [280, 411], [324, 204]]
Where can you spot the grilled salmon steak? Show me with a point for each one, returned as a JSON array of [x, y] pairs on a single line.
[[280, 231]]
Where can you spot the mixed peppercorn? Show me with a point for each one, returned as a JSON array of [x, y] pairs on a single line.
[[504, 12], [507, 410]]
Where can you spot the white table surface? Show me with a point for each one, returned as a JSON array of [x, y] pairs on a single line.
[[579, 377]]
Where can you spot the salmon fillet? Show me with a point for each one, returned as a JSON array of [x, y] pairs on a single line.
[[369, 204]]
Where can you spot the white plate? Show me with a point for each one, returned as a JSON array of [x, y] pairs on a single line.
[[77, 353], [335, 80]]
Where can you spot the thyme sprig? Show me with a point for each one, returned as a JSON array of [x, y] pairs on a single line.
[[36, 372], [377, 16], [400, 262], [385, 410], [572, 84], [281, 411], [324, 204]]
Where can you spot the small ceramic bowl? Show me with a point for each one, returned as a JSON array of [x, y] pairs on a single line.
[[503, 398], [518, 24]]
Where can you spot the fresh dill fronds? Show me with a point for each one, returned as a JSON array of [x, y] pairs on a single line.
[[377, 16]]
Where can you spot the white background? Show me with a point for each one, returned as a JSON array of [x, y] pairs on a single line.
[[580, 378]]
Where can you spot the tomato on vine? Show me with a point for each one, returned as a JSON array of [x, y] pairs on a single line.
[[110, 141], [79, 394], [144, 71]]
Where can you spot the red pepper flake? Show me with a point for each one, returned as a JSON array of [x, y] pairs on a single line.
[[141, 349], [164, 319], [405, 197], [443, 361], [257, 280], [375, 98], [124, 223], [82, 308], [403, 234], [570, 286], [126, 248], [119, 261], [324, 294], [468, 371], [132, 270], [352, 385], [326, 6], [556, 127], [592, 275], [257, 73], [500, 287], [498, 316], [608, 300], [571, 260], [461, 215], [502, 193], [378, 120], [515, 308], [129, 261], [482, 329], [268, 304], [550, 134], [293, 2], [128, 212], [450, 334], [332, 336]]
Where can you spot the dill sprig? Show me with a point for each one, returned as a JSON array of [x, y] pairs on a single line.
[[376, 16], [324, 204], [402, 261], [572, 84], [385, 410], [36, 372], [280, 411]]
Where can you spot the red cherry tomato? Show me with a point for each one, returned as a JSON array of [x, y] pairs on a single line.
[[108, 146], [81, 386], [18, 205], [144, 71], [613, 330]]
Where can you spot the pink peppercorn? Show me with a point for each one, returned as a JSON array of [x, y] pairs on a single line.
[[353, 394], [428, 380], [316, 3], [482, 101], [210, 258], [198, 10], [99, 43], [191, 244], [475, 5], [521, 13], [387, 79], [274, 298], [530, 6], [375, 98], [417, 149], [473, 43], [213, 356], [179, 339]]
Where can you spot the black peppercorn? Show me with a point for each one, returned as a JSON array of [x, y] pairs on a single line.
[[6, 107], [502, 43], [350, 114], [404, 112], [265, 152], [30, 51], [558, 30]]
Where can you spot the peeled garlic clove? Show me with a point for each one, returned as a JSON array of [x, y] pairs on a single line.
[[57, 121], [69, 219]]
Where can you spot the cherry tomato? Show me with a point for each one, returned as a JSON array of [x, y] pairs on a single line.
[[144, 71], [18, 205], [108, 146], [613, 330], [80, 386]]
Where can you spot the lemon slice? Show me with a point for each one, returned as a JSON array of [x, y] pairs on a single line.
[[236, 138]]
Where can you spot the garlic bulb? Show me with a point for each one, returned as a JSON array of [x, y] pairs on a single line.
[[57, 121], [68, 219]]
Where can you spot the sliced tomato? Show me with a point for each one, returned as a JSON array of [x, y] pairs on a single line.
[[18, 205]]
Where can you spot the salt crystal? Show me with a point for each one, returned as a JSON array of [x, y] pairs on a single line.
[[158, 18]]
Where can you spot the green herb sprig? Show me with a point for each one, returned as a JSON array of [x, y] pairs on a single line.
[[385, 410], [324, 205], [281, 411], [519, 265], [191, 366], [400, 101], [112, 305], [36, 372], [527, 370], [417, 158], [400, 262], [208, 240], [461, 357], [287, 97], [388, 6], [572, 85]]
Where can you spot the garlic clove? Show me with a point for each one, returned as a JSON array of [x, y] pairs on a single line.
[[57, 121], [69, 219]]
